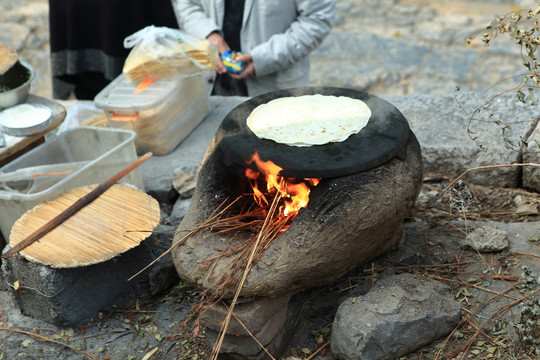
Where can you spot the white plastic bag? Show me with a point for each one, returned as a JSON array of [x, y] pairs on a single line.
[[162, 51]]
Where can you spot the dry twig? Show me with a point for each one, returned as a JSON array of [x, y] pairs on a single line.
[[45, 338], [217, 345]]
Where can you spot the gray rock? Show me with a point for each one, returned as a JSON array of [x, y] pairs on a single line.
[[438, 31], [184, 181], [366, 59], [162, 275], [180, 209], [14, 35], [486, 239], [376, 52], [253, 313], [526, 4], [441, 123], [282, 324], [399, 315], [531, 174]]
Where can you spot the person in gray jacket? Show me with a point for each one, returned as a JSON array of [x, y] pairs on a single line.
[[275, 38]]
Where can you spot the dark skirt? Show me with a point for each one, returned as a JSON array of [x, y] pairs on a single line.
[[87, 40]]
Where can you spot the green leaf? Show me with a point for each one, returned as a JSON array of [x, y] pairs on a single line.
[[324, 330]]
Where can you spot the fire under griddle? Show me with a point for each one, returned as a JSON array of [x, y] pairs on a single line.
[[369, 184], [385, 136]]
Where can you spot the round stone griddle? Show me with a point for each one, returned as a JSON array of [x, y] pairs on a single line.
[[384, 137]]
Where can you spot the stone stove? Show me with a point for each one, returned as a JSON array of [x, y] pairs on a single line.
[[369, 184]]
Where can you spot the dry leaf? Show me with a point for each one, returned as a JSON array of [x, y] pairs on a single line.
[[150, 353], [526, 205], [527, 209], [306, 351], [16, 285]]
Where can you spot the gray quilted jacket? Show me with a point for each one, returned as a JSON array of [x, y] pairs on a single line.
[[279, 34]]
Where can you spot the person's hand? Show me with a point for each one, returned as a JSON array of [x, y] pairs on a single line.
[[222, 46], [249, 69]]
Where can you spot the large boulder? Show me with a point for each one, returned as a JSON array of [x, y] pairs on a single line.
[[400, 314]]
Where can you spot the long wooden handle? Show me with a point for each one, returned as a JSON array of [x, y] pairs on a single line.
[[76, 206]]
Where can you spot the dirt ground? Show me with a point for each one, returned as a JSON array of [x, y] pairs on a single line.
[[492, 288]]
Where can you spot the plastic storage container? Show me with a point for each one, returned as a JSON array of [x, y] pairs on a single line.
[[93, 154], [163, 114]]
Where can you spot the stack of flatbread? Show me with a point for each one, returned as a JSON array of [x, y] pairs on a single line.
[[166, 57], [309, 120]]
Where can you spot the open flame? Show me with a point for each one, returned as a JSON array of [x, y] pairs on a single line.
[[295, 192]]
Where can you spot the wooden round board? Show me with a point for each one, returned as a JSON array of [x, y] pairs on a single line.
[[115, 222]]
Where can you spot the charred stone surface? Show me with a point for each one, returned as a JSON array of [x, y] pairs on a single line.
[[348, 221]]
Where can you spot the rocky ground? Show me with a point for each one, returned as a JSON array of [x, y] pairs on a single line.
[[389, 48]]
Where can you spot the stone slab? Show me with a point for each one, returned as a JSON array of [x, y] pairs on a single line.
[[254, 314], [486, 239], [441, 123], [276, 335]]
